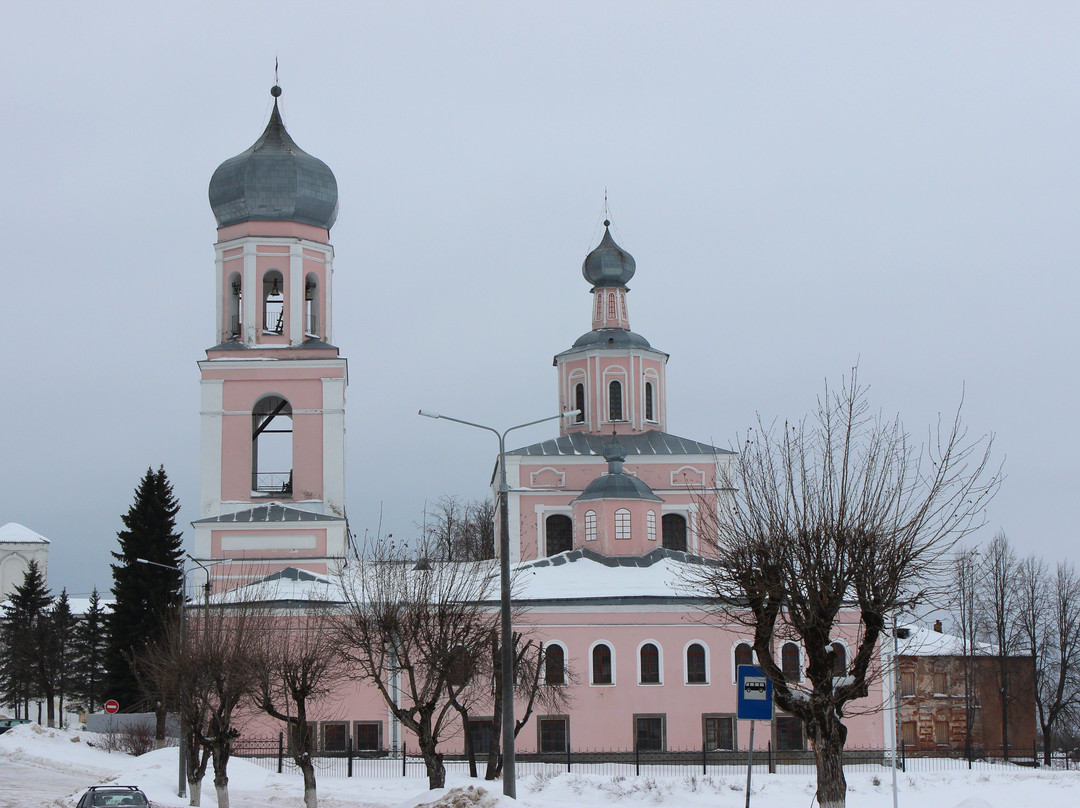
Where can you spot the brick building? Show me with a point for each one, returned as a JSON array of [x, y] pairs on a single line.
[[940, 687]]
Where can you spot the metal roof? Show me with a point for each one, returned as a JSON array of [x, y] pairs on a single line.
[[274, 180], [274, 512], [608, 264], [653, 442]]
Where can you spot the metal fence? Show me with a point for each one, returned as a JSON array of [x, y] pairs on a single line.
[[271, 753]]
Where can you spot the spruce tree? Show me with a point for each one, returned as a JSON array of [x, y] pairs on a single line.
[[90, 645], [146, 596], [21, 638]]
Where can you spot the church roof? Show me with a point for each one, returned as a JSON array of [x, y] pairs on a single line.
[[274, 180], [274, 512], [653, 442], [608, 264], [611, 339], [14, 533]]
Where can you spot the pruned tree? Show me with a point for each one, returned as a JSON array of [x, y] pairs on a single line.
[[839, 513], [1049, 619], [207, 665], [404, 627], [300, 664]]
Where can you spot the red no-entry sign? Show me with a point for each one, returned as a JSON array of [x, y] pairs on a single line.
[[112, 706]]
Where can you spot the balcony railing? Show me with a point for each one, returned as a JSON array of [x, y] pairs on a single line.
[[272, 482]]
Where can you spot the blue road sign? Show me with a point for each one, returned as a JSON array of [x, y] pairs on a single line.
[[755, 702]]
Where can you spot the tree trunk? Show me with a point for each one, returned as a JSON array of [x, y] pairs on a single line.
[[436, 771], [494, 765], [307, 768], [160, 714], [221, 776], [50, 708], [194, 790], [829, 755]]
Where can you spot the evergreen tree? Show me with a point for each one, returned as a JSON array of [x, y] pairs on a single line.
[[59, 657], [146, 596], [90, 646], [21, 636]]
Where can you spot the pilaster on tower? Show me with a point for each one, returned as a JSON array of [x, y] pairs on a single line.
[[273, 385]]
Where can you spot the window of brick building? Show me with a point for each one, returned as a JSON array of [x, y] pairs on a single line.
[[941, 731], [941, 683], [907, 683]]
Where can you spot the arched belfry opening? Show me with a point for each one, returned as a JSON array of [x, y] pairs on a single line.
[[273, 303], [272, 447], [235, 297], [311, 306]]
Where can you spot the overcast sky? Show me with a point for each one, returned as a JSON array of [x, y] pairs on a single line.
[[803, 186]]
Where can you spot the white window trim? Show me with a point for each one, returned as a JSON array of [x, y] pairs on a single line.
[[566, 663], [731, 654], [708, 663], [587, 526], [659, 660], [611, 647]]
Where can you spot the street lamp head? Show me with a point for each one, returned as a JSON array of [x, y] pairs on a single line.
[[429, 414], [570, 413]]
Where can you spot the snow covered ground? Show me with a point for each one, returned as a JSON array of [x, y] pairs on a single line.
[[43, 767]]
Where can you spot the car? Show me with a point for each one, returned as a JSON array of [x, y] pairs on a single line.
[[8, 723], [113, 795]]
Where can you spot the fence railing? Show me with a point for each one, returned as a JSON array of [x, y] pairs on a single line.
[[271, 753]]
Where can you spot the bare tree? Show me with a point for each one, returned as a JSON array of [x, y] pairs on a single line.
[[965, 588], [404, 629], [998, 609], [1049, 617], [207, 666], [454, 530], [300, 664], [837, 513]]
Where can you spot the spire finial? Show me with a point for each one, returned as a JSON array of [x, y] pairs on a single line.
[[607, 210], [276, 89]]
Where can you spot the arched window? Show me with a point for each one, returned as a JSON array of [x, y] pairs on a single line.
[[599, 306], [311, 305], [649, 414], [554, 665], [622, 301], [790, 662], [622, 524], [673, 526], [601, 664], [560, 533], [744, 655], [579, 403], [273, 303], [234, 294], [615, 401], [649, 667], [590, 525], [271, 446], [839, 658], [650, 525], [696, 673], [611, 306]]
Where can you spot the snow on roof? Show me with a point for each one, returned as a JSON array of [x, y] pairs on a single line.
[[925, 641], [15, 533]]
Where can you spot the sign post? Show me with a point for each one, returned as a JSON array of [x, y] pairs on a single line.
[[754, 703], [112, 706]]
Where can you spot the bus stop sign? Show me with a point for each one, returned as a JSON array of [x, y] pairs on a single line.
[[755, 698]]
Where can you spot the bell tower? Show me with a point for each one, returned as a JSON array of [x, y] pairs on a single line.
[[273, 385]]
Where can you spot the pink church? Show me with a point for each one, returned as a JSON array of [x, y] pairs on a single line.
[[604, 518]]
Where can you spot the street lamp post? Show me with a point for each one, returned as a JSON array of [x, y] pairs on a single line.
[[507, 656]]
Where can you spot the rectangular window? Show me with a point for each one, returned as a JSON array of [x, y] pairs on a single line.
[[554, 733], [941, 683], [789, 733], [907, 683], [622, 524], [480, 731], [294, 738], [368, 735], [335, 736], [941, 731], [719, 732], [908, 733], [649, 733]]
